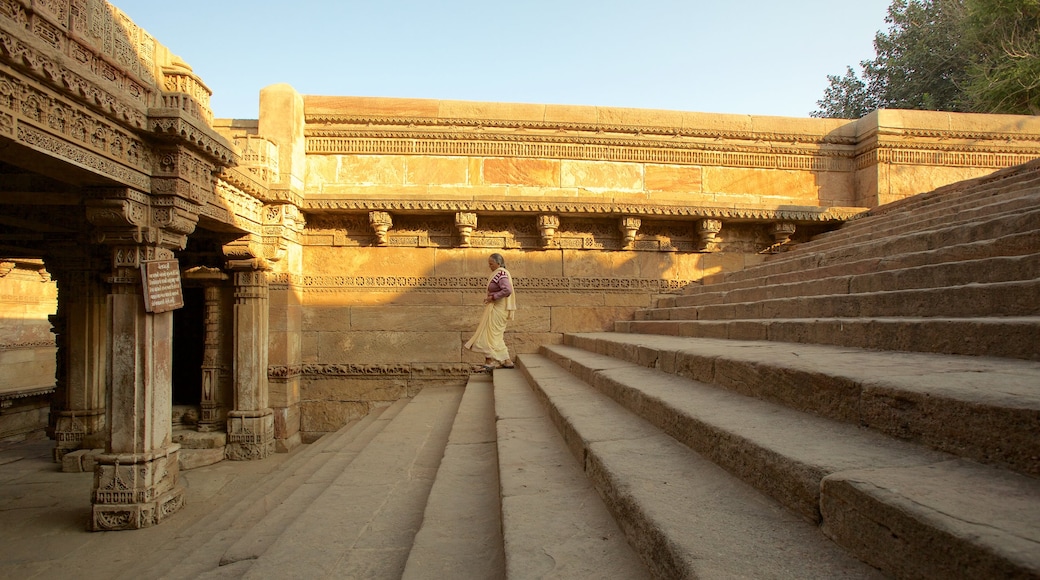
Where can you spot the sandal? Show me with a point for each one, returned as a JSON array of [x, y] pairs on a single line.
[[508, 366]]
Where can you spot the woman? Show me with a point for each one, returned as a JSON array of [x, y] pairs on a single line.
[[499, 306]]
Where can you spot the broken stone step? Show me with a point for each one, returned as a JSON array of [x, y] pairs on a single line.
[[840, 475], [363, 525], [461, 533], [249, 542], [554, 523], [984, 409], [686, 516], [1008, 337]]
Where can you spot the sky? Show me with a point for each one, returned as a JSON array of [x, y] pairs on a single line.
[[757, 57]]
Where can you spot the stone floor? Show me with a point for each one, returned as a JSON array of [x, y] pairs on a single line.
[[44, 515]]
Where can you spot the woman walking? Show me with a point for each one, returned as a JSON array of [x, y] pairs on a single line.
[[499, 306]]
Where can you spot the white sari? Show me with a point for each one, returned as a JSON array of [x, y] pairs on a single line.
[[489, 338]]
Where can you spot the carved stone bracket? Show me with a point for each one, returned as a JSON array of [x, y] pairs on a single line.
[[380, 222], [465, 222], [548, 223], [782, 232], [629, 226], [707, 231]]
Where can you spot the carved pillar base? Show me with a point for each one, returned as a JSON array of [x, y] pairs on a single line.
[[133, 491], [250, 435], [71, 427]]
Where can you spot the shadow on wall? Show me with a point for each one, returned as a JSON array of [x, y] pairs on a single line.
[[378, 323]]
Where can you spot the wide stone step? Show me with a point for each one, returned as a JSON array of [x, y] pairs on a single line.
[[1009, 246], [461, 533], [1016, 298], [990, 270], [985, 409], [855, 482], [198, 549], [364, 523], [555, 525], [329, 464], [881, 247], [1004, 181], [1009, 337], [685, 516], [956, 213]]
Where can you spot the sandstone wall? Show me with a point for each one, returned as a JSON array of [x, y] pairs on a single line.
[[27, 297]]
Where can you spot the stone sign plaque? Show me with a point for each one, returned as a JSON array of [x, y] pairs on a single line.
[[162, 286]]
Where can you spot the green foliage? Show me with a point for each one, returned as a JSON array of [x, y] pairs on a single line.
[[1004, 74], [949, 55]]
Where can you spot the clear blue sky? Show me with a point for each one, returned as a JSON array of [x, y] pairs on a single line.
[[761, 57]]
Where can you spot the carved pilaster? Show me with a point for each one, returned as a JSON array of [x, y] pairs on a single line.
[[548, 223], [380, 222], [250, 425], [629, 226], [465, 222], [707, 231]]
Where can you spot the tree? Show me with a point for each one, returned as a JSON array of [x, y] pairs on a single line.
[[950, 55], [1004, 75], [846, 97]]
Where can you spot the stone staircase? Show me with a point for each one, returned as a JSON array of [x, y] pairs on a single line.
[[866, 405]]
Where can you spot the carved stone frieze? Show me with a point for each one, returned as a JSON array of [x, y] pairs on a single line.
[[800, 214], [309, 283], [342, 370]]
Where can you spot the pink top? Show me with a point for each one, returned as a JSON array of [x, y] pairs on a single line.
[[500, 285]]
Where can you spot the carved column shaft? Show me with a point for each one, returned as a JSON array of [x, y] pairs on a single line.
[[81, 333], [212, 417], [136, 482], [251, 423]]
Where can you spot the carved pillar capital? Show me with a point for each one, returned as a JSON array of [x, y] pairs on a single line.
[[629, 226], [782, 232], [707, 231], [548, 223], [465, 222], [380, 222]]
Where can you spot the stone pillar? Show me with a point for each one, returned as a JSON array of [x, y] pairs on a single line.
[[251, 423], [212, 418], [136, 480], [80, 326]]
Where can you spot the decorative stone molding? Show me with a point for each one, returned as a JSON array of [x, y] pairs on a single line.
[[135, 491], [707, 231], [374, 371], [455, 283], [465, 222], [801, 214], [547, 225], [380, 222], [629, 226]]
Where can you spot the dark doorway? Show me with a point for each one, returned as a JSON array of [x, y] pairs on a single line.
[[189, 343]]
